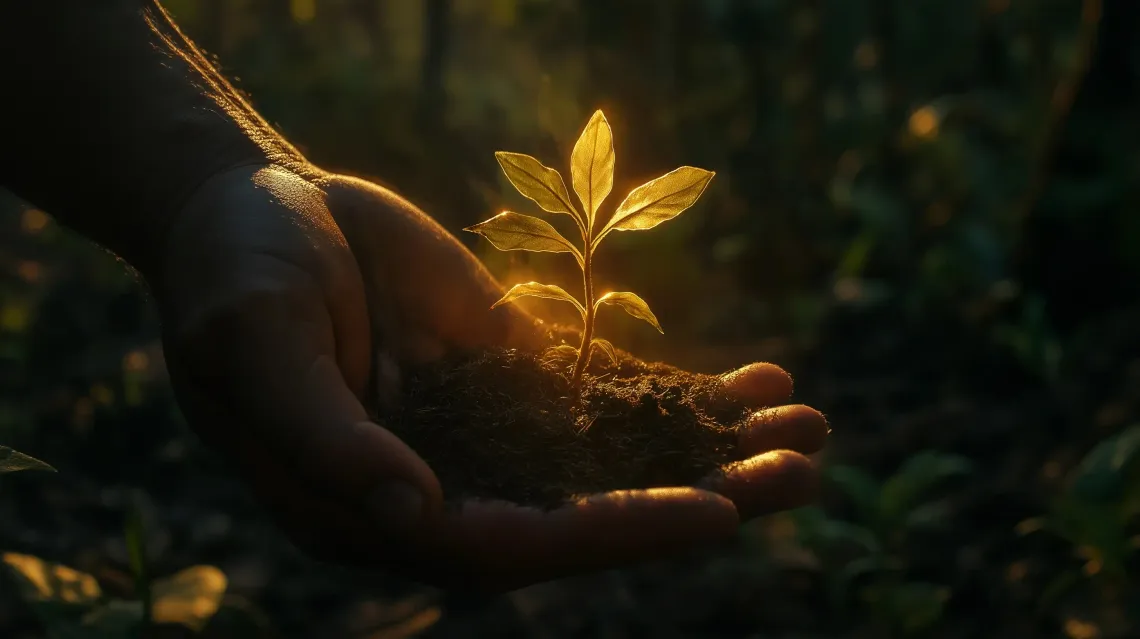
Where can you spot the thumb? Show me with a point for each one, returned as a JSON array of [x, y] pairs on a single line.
[[267, 366]]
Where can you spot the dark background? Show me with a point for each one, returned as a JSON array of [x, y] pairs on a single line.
[[926, 210]]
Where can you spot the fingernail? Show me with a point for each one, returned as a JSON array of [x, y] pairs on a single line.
[[396, 506]]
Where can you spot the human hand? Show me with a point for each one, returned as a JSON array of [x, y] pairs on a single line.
[[272, 288]]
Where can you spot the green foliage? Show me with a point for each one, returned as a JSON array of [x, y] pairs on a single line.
[[592, 175], [901, 503], [1098, 514], [866, 556]]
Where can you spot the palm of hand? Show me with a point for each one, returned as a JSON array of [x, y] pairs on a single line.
[[273, 290]]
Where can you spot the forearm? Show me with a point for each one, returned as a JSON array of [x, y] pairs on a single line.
[[111, 118]]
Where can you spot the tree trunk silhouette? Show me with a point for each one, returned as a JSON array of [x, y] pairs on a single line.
[[437, 41]]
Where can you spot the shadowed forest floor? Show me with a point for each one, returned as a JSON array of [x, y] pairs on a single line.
[[882, 402]]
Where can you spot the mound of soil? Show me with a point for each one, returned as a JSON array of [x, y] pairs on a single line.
[[506, 424]]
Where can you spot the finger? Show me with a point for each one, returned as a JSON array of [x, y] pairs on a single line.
[[511, 546], [493, 547], [767, 483], [760, 384], [796, 427], [268, 360]]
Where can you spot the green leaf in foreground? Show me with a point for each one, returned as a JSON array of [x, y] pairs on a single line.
[[510, 231], [633, 305], [12, 461], [534, 289]]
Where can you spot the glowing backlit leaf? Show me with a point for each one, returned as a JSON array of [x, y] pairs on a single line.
[[633, 305], [606, 347], [43, 581], [592, 165], [659, 200], [190, 597], [13, 460], [534, 289], [539, 183], [509, 231]]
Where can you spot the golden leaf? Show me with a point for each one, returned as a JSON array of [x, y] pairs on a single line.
[[43, 581], [658, 200], [592, 165], [541, 184], [509, 231], [190, 597], [13, 460], [633, 305], [606, 347], [534, 289], [560, 353]]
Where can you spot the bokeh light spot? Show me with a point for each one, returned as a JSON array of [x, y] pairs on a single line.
[[923, 123]]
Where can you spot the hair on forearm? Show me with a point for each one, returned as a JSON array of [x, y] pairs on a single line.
[[113, 117]]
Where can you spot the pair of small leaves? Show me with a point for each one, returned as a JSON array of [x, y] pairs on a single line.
[[189, 598], [13, 461], [630, 302], [567, 352]]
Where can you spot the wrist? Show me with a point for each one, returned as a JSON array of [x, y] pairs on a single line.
[[129, 119]]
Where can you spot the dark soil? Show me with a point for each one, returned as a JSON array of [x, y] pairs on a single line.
[[506, 425]]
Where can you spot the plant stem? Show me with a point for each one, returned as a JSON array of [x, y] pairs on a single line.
[[584, 350]]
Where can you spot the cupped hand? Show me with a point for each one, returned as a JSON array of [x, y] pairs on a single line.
[[272, 289]]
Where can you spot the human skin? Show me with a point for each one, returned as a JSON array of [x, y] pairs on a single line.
[[289, 294]]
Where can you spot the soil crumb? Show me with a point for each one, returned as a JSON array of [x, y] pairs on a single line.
[[505, 425]]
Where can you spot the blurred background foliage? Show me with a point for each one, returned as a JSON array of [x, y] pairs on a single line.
[[926, 210]]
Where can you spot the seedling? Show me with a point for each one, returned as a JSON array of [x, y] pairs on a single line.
[[592, 175]]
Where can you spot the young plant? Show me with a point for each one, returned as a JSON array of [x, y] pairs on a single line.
[[592, 175]]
